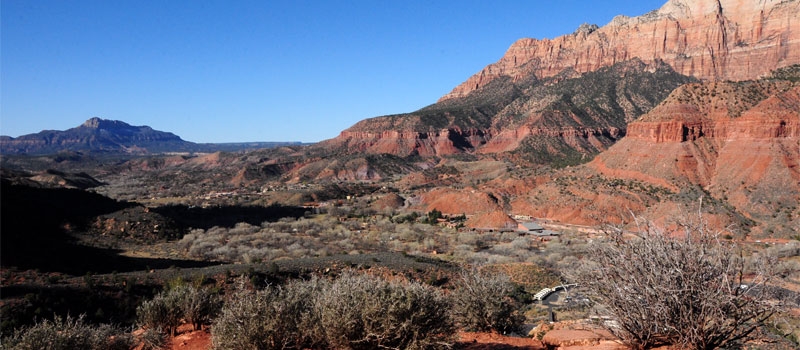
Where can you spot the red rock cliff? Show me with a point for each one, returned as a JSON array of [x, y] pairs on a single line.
[[731, 111], [739, 141], [707, 39]]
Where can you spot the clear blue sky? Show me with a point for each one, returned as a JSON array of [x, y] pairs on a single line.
[[224, 71]]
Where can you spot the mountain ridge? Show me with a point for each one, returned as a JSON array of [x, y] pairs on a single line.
[[114, 136], [582, 112], [706, 39], [516, 104]]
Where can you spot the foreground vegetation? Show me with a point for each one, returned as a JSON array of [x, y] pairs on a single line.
[[684, 287]]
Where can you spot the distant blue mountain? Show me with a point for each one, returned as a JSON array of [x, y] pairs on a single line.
[[114, 136]]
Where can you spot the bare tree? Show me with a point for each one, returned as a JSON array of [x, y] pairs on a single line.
[[682, 287]]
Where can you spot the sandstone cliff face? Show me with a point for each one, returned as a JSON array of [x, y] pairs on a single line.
[[735, 146], [569, 98], [706, 39]]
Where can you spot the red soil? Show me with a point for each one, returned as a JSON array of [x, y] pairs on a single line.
[[187, 339], [201, 340], [494, 341]]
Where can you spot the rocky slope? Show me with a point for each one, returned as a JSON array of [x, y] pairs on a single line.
[[736, 144], [49, 179], [706, 39], [570, 114]]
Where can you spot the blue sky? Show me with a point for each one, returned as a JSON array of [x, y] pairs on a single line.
[[226, 71]]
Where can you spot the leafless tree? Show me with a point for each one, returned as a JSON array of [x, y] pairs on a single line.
[[683, 287]]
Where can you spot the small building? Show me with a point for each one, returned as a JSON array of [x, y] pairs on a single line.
[[529, 228], [532, 228]]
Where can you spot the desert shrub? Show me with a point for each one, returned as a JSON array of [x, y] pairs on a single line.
[[364, 312], [274, 318], [352, 312], [325, 235], [163, 312], [483, 301], [153, 339], [684, 288], [197, 306], [180, 301], [67, 334]]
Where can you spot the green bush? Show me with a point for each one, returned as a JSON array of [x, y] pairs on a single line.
[[198, 306], [483, 301], [68, 334]]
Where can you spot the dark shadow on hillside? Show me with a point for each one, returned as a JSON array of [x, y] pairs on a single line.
[[114, 302], [63, 255], [34, 226], [226, 216]]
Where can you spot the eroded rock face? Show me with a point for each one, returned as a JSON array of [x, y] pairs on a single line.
[[492, 220], [706, 39], [456, 202]]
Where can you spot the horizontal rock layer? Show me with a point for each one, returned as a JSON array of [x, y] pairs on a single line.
[[680, 131], [453, 141]]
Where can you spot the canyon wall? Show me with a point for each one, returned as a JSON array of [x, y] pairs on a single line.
[[706, 39]]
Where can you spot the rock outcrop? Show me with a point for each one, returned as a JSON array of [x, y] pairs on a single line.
[[706, 39], [455, 202]]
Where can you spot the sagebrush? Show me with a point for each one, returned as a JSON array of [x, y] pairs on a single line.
[[351, 312], [68, 333]]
